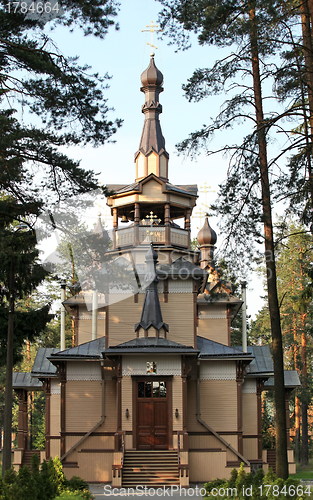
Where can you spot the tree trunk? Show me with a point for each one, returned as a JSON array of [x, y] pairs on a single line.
[[297, 399], [277, 344], [306, 10], [304, 407], [8, 394]]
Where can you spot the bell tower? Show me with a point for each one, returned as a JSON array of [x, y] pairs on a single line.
[[155, 210], [152, 157]]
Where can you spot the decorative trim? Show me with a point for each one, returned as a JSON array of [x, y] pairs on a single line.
[[249, 387], [218, 371], [222, 433], [206, 450], [181, 286], [95, 450], [143, 372], [55, 387], [83, 371], [206, 315], [137, 365], [88, 315]]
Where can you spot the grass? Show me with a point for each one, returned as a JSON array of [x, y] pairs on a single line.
[[304, 472]]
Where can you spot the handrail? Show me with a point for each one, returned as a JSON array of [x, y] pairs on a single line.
[[122, 447], [96, 426], [209, 428], [178, 447]]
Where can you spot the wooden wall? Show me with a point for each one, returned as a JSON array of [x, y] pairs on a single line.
[[178, 312]]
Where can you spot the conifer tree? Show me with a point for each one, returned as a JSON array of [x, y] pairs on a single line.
[[20, 273], [294, 268], [250, 28], [62, 102]]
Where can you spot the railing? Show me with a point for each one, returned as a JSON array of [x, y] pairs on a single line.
[[118, 460], [135, 235], [183, 465]]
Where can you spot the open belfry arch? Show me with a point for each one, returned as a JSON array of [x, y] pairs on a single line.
[[153, 392]]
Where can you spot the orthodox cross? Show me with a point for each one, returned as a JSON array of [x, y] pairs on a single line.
[[152, 217], [152, 28]]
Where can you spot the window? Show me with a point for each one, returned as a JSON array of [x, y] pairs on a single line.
[[155, 389]]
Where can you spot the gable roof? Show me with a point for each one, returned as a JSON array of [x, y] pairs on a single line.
[[183, 268], [187, 189], [291, 380], [150, 345], [211, 349], [24, 380], [42, 366], [263, 362], [88, 350]]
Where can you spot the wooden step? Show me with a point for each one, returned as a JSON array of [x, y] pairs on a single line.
[[28, 456], [150, 467]]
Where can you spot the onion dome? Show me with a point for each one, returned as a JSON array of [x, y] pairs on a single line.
[[152, 75], [206, 235]]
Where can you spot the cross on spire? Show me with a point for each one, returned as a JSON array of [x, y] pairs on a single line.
[[152, 28]]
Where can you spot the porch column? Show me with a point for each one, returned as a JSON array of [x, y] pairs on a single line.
[[287, 397], [118, 369], [187, 222], [63, 409], [259, 389], [137, 222], [115, 225], [47, 388], [22, 432], [185, 370], [239, 381], [167, 222]]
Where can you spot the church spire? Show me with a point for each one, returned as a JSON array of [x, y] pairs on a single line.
[[151, 316], [152, 156]]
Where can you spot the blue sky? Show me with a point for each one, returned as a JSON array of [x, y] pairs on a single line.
[[124, 54]]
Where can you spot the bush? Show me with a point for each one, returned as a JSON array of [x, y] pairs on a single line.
[[69, 494], [76, 483], [42, 482], [243, 486]]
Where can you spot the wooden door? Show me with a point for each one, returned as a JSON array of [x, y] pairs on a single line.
[[152, 415]]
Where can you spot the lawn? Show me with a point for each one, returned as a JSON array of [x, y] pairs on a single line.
[[304, 472]]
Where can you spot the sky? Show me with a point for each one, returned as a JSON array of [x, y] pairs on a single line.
[[124, 54]]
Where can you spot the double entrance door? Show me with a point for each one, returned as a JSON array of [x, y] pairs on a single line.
[[152, 414]]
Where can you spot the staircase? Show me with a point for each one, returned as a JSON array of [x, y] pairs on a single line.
[[271, 459], [27, 457], [153, 468]]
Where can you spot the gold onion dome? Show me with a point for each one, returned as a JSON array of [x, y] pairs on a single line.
[[152, 75], [206, 235]]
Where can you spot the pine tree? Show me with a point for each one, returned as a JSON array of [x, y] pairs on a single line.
[[250, 27], [20, 273], [62, 102], [294, 267]]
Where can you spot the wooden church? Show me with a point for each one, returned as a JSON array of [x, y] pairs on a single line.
[[152, 391]]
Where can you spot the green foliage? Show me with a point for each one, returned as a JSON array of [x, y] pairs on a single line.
[[243, 485], [50, 101], [78, 494], [45, 481], [76, 483]]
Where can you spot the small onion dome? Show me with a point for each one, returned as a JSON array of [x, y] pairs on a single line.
[[206, 235], [151, 75]]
